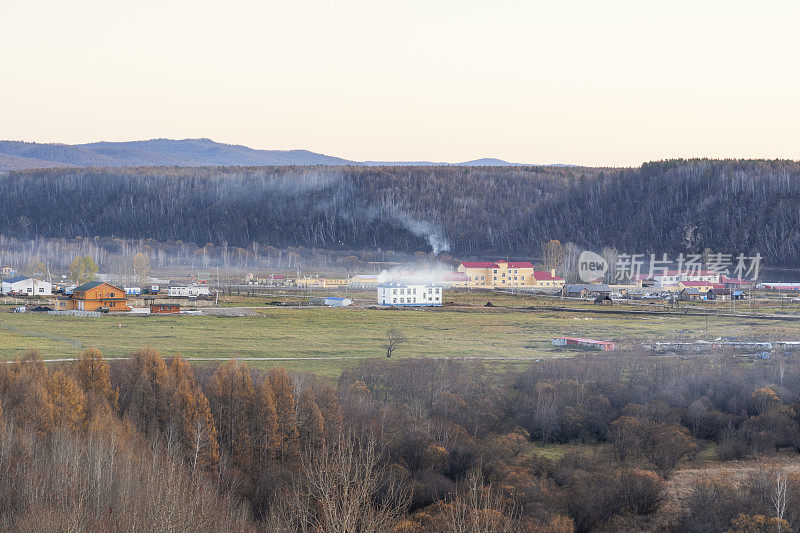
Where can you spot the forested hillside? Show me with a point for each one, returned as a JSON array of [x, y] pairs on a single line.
[[672, 206], [624, 443]]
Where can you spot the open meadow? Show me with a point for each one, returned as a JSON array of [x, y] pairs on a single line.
[[325, 340]]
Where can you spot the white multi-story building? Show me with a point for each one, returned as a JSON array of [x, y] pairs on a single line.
[[190, 291], [399, 293], [27, 286]]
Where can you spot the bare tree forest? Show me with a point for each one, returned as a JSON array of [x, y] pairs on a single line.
[[730, 206], [412, 445]]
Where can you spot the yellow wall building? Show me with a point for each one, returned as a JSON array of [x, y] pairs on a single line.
[[498, 274]]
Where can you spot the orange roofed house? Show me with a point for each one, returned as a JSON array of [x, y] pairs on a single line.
[[94, 295]]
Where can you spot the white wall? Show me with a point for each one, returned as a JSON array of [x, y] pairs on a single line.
[[190, 291], [29, 287], [417, 294]]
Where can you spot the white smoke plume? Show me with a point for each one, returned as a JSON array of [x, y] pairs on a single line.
[[416, 273], [433, 233], [421, 228]]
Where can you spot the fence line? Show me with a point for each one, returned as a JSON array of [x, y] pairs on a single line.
[[75, 312]]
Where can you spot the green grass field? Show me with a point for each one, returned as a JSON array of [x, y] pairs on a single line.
[[466, 329]]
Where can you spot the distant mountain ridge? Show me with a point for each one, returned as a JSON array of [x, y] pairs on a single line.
[[20, 155]]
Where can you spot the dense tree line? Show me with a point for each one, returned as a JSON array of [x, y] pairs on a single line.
[[730, 206], [409, 445]]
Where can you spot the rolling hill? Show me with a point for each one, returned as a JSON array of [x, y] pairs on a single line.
[[19, 155]]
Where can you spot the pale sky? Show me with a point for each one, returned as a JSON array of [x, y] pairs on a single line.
[[582, 82]]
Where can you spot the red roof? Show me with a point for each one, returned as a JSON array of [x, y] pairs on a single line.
[[495, 264], [540, 275]]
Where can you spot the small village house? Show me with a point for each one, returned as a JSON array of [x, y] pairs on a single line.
[[190, 291], [26, 286], [165, 309], [702, 286], [364, 281], [547, 280], [690, 293], [603, 299], [588, 344], [94, 295], [672, 277], [585, 290], [335, 301]]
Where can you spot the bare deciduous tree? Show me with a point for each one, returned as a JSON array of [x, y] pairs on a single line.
[[394, 338], [778, 497], [343, 488], [477, 508]]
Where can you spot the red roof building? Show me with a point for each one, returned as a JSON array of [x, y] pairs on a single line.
[[499, 274]]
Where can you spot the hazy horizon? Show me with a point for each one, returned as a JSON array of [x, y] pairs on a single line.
[[613, 84]]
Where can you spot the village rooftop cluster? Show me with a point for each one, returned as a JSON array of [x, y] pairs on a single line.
[[408, 289]]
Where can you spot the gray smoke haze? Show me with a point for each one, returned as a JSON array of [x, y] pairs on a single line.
[[303, 183], [262, 183]]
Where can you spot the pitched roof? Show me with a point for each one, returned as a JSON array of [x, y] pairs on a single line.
[[92, 284], [541, 275], [591, 287], [495, 264], [16, 279]]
